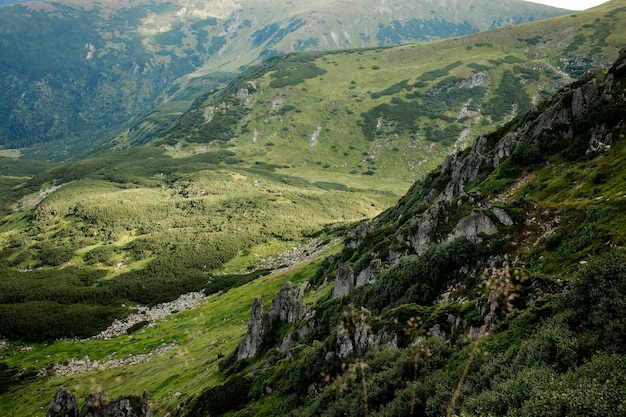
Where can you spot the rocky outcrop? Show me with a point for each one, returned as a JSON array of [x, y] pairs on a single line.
[[356, 236], [464, 168], [285, 308], [471, 227], [423, 226], [64, 404], [354, 333], [502, 216], [369, 274], [254, 336], [344, 281]]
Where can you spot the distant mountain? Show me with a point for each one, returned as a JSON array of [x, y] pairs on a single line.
[[76, 73], [386, 114]]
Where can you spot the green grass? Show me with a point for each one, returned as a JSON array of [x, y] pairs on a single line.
[[201, 337]]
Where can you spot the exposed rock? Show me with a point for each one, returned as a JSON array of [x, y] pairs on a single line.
[[96, 405], [502, 216], [63, 404], [242, 93], [600, 140], [356, 333], [74, 366], [369, 274], [465, 168], [293, 337], [383, 339], [285, 308], [344, 281], [152, 314], [254, 336], [356, 236], [505, 148], [419, 240], [471, 227], [315, 137]]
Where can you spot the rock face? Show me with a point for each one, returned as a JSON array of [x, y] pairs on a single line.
[[368, 275], [354, 333], [64, 404], [344, 281], [285, 308], [419, 240], [470, 227], [254, 336]]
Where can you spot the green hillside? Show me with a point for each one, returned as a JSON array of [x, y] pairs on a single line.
[[494, 275], [75, 73], [386, 116], [496, 287]]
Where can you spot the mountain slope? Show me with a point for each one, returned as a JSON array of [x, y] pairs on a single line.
[[74, 74], [388, 114], [464, 279], [501, 274]]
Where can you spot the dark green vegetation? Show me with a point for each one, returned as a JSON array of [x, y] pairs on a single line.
[[116, 232], [74, 74]]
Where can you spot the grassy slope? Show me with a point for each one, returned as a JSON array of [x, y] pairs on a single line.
[[142, 180], [112, 62], [201, 337], [591, 186], [376, 110]]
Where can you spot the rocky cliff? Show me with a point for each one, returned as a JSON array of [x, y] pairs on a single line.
[[286, 307], [64, 404]]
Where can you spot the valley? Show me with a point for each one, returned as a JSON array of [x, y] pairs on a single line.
[[449, 215]]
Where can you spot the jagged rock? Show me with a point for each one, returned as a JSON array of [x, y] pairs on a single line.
[[471, 227], [356, 236], [502, 216], [96, 405], [368, 275], [293, 337], [63, 404], [285, 308], [357, 335], [466, 170], [420, 239], [505, 148], [344, 281], [383, 339], [600, 140], [254, 336], [242, 93]]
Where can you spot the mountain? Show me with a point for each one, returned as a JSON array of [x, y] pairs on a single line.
[[495, 285], [388, 114], [290, 150], [76, 73]]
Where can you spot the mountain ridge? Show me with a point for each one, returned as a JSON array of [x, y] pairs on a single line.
[[111, 64]]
